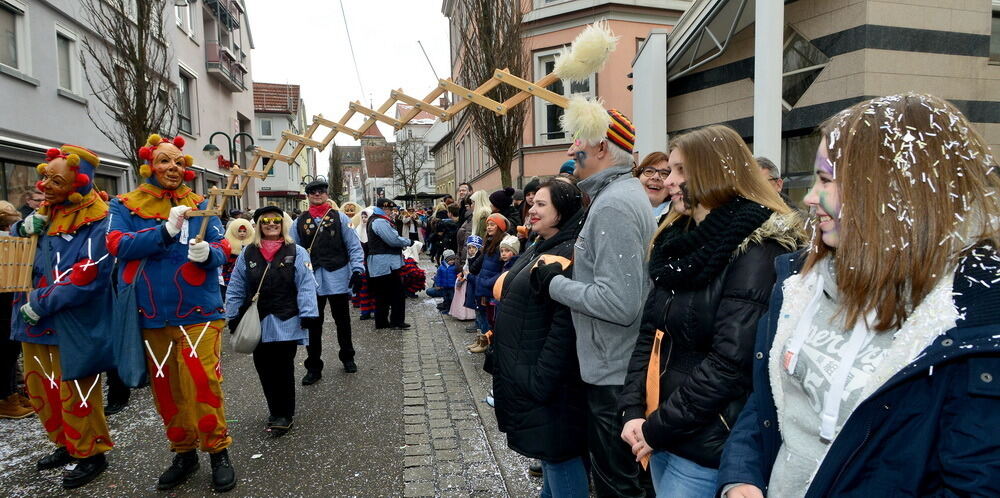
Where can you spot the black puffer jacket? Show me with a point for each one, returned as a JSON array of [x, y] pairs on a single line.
[[710, 323], [539, 395]]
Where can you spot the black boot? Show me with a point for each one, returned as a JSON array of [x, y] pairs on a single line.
[[118, 394], [86, 470], [311, 378], [55, 459], [223, 475], [184, 465]]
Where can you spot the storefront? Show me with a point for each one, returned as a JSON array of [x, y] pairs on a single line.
[[18, 175], [288, 200]]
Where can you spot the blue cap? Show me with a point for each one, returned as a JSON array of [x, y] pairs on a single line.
[[568, 167], [474, 240]]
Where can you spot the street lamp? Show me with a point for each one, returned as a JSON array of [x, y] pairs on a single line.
[[213, 151], [307, 179]]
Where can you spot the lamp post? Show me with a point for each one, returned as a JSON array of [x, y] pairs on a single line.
[[228, 161]]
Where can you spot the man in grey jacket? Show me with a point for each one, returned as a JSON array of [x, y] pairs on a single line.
[[606, 294]]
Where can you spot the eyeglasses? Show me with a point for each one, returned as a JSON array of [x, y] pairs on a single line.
[[774, 180], [318, 191], [271, 221], [649, 171]]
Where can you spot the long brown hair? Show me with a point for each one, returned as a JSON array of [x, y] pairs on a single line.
[[718, 167], [918, 187]]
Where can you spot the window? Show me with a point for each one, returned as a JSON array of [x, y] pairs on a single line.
[[265, 128], [798, 156], [802, 64], [185, 103], [67, 58], [183, 15], [995, 34], [12, 36], [547, 115]]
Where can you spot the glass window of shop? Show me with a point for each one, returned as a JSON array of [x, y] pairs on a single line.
[[16, 180]]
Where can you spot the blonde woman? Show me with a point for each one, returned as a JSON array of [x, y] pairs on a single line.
[[712, 264], [482, 208], [878, 359], [286, 305]]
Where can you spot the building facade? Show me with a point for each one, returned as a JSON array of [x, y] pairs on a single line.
[[41, 77], [548, 26], [835, 53], [279, 108]]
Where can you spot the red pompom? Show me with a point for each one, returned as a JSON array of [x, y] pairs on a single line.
[[81, 180], [84, 272], [40, 186], [146, 152], [188, 175], [192, 274], [53, 153], [179, 142]]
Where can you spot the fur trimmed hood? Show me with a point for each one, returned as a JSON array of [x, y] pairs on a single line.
[[785, 229]]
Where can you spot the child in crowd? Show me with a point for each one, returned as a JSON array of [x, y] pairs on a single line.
[[444, 281], [414, 278], [510, 247], [459, 310]]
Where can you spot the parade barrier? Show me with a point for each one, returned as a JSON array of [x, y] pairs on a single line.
[[585, 119], [17, 257]]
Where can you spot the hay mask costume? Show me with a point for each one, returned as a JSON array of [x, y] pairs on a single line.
[[178, 299], [63, 323]]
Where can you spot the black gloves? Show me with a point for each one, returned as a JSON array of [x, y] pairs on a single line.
[[542, 276], [355, 283]]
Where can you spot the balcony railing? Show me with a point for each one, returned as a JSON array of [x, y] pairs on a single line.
[[226, 11], [221, 64]]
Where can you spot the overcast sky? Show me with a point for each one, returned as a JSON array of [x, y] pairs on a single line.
[[304, 42]]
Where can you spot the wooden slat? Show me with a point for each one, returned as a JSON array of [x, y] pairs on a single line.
[[528, 89], [302, 140], [490, 84], [204, 212], [333, 125], [382, 109], [418, 105], [243, 172], [224, 191], [274, 155], [375, 115]]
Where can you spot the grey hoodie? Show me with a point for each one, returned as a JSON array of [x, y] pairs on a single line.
[[610, 278]]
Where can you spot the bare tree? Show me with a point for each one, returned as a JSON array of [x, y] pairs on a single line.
[[127, 67], [335, 177], [408, 157], [492, 40]]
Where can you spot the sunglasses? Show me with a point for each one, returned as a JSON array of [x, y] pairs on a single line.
[[271, 221], [316, 192]]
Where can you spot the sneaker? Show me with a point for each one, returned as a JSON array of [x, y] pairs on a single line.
[[86, 470], [180, 469], [223, 474], [57, 458], [11, 407], [280, 426], [399, 326]]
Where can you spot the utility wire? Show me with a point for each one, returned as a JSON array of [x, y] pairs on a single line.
[[436, 79], [351, 45]]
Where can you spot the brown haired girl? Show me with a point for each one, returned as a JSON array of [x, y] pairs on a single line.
[[652, 172], [878, 358], [712, 262]]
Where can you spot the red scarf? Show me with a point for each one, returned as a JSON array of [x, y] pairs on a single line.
[[268, 248], [319, 210]]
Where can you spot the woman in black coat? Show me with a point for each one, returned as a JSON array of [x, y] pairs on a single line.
[[712, 263], [536, 378]]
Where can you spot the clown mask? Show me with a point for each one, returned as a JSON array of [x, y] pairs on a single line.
[[168, 166], [57, 181], [350, 210]]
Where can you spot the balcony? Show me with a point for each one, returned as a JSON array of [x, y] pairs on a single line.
[[222, 65], [226, 11]]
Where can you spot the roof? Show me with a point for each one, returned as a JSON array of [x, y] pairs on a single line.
[[373, 131], [275, 97], [703, 33], [422, 117]]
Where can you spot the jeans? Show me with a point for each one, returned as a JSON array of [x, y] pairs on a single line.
[[481, 322], [567, 479], [446, 293], [680, 477]]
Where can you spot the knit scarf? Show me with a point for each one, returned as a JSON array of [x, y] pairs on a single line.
[[684, 258]]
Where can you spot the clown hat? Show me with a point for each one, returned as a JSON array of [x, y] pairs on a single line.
[[82, 162]]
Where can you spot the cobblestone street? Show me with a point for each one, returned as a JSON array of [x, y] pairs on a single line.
[[411, 422]]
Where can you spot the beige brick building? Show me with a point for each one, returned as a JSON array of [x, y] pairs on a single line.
[[836, 53]]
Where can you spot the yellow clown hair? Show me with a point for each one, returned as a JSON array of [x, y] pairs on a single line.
[[588, 53], [586, 120]]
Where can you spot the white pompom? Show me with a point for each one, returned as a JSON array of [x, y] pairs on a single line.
[[585, 119], [587, 55]]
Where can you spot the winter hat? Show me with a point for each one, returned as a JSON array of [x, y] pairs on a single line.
[[532, 186], [567, 167], [474, 241], [500, 220], [502, 199], [621, 132], [511, 242], [148, 152], [518, 195], [447, 254]]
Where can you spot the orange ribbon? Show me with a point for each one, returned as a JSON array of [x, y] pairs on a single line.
[[653, 383]]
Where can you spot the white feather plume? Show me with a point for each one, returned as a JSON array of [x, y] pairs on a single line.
[[587, 54], [585, 119]]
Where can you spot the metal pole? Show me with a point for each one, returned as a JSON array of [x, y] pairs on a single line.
[[769, 30]]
